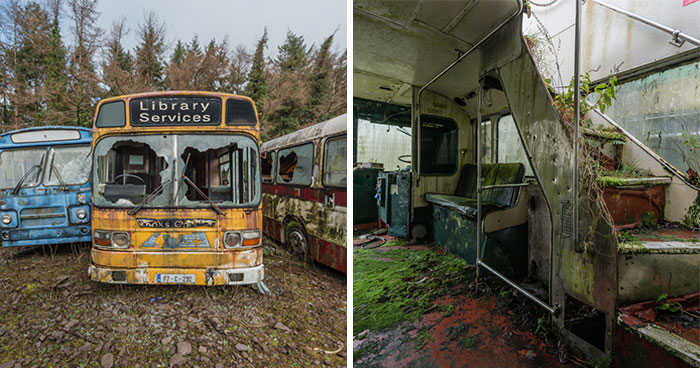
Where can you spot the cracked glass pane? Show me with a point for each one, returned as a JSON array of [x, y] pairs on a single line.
[[295, 165], [72, 164], [179, 170]]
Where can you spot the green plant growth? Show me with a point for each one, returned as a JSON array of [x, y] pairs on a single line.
[[692, 144], [662, 303], [543, 326], [422, 338], [692, 218], [399, 285], [605, 95]]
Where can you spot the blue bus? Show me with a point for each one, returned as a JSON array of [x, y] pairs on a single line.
[[44, 186]]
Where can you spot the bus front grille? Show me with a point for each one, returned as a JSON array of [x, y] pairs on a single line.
[[45, 216]]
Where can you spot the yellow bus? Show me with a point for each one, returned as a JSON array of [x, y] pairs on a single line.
[[177, 191]]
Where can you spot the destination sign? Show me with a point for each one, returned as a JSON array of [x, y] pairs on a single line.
[[175, 110], [175, 223]]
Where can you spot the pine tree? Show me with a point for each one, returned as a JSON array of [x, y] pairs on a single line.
[[320, 83], [118, 66], [257, 87], [149, 54]]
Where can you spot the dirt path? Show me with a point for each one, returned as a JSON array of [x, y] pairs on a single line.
[[54, 316], [465, 325]]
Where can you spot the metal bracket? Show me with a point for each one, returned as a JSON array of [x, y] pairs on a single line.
[[676, 41]]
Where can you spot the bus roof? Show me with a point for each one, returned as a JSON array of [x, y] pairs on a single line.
[[177, 93], [400, 44], [44, 136], [335, 126]]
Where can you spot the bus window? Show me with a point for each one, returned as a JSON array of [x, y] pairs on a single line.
[[334, 162], [510, 147], [111, 115], [486, 141], [69, 164], [295, 165], [267, 166], [21, 163], [438, 145]]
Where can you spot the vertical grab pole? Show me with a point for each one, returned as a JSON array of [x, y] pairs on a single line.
[[577, 113], [478, 177]]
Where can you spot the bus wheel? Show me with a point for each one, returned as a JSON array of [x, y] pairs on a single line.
[[295, 240]]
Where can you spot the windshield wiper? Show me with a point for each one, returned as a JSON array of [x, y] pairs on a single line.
[[24, 177], [183, 176], [58, 176], [216, 208], [148, 198]]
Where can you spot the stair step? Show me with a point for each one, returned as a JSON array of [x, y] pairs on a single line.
[[613, 137], [616, 181]]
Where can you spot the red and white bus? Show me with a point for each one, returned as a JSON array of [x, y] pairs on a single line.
[[305, 192]]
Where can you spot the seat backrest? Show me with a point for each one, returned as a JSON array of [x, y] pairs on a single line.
[[506, 173]]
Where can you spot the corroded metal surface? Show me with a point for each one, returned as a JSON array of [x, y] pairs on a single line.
[[650, 339], [630, 207]]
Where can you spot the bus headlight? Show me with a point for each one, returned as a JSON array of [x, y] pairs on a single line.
[[251, 238], [81, 214], [232, 239], [6, 219], [120, 239], [102, 238]]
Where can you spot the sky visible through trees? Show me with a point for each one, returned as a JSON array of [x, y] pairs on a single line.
[[47, 79]]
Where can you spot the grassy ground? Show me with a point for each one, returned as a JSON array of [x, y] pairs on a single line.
[[54, 316], [400, 285]]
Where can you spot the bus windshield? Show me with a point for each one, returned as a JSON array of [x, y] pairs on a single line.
[[171, 170], [18, 163], [70, 165]]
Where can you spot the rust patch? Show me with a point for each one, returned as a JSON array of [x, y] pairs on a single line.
[[630, 207], [644, 314]]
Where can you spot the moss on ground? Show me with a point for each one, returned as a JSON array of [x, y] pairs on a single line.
[[400, 285]]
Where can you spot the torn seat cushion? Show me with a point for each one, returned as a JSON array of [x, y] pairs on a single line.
[[464, 199]]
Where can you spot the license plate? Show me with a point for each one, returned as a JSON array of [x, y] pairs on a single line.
[[175, 278]]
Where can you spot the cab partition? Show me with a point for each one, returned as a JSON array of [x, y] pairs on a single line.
[[446, 186]]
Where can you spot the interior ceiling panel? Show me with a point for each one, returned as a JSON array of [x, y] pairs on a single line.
[[390, 45]]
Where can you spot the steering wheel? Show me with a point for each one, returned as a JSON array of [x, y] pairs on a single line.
[[128, 176], [403, 159]]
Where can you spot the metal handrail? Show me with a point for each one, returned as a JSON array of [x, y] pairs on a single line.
[[551, 309], [499, 186], [678, 36]]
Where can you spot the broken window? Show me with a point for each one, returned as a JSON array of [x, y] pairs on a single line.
[[295, 165], [176, 170], [70, 165], [438, 145], [335, 162], [267, 160], [509, 146], [18, 163]]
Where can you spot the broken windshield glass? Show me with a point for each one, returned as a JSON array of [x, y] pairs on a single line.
[[14, 164], [222, 167], [71, 163]]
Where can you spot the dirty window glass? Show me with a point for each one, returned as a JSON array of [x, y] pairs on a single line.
[[663, 112], [438, 144], [71, 164], [112, 114], [486, 141], [509, 146], [267, 160], [335, 162], [240, 112], [14, 164], [180, 170], [295, 165]]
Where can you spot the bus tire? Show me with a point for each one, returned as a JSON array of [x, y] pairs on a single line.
[[296, 240]]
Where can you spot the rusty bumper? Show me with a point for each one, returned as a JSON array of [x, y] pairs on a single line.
[[192, 276]]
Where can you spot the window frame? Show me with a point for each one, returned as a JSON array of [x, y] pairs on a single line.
[[422, 164], [325, 152], [279, 181], [273, 168]]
